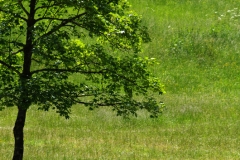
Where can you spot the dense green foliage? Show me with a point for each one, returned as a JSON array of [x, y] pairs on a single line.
[[51, 39], [44, 42]]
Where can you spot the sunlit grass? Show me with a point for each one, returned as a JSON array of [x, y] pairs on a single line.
[[193, 127], [197, 46]]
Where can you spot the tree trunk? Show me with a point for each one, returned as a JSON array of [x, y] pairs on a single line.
[[18, 134]]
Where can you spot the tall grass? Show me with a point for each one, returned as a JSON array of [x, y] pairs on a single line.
[[197, 45]]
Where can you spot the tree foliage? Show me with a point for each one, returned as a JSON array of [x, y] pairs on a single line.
[[51, 38], [44, 43]]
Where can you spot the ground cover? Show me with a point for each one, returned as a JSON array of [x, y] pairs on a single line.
[[197, 46]]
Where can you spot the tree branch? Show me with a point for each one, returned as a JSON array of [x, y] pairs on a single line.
[[66, 70], [3, 52], [14, 14], [50, 18], [23, 8], [62, 24], [20, 50], [48, 6], [99, 104], [10, 67]]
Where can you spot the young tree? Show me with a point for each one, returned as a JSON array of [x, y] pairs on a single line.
[[43, 42]]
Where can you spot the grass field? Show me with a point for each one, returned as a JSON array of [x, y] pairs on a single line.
[[197, 45]]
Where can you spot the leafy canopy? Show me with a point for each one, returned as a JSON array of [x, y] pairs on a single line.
[[45, 43]]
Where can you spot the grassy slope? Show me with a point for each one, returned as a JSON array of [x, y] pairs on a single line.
[[197, 44]]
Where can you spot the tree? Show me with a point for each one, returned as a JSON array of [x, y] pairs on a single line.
[[44, 42]]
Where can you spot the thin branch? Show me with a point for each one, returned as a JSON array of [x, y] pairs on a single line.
[[4, 52], [14, 42], [17, 43], [66, 70], [117, 44], [14, 14], [78, 24], [10, 67], [62, 24], [20, 50], [98, 104], [48, 6], [50, 18], [23, 8], [36, 60]]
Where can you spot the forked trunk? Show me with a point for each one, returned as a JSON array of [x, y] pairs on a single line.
[[18, 134]]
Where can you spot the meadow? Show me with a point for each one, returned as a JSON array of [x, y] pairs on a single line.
[[197, 45]]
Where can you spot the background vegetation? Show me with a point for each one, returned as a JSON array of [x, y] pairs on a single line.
[[197, 45]]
